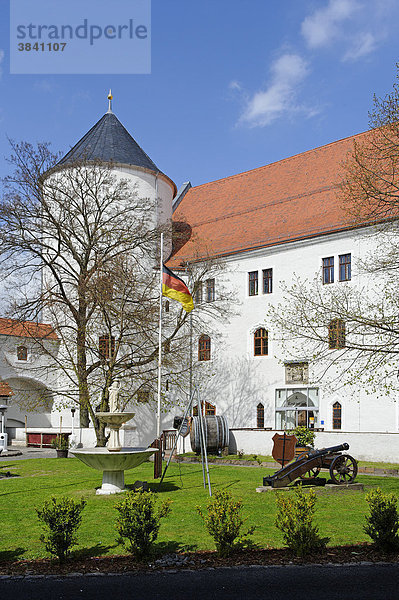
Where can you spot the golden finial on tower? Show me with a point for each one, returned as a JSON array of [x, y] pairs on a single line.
[[109, 101]]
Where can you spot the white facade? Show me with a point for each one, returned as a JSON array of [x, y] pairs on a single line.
[[241, 381]]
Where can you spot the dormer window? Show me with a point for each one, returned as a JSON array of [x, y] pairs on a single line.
[[22, 353]]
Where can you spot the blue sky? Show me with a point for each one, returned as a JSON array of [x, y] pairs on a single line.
[[235, 84]]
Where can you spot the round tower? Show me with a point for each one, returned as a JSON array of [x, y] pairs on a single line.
[[108, 141]]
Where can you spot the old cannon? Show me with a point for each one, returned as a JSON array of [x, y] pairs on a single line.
[[342, 467]]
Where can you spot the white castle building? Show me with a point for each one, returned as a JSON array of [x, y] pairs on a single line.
[[266, 226]]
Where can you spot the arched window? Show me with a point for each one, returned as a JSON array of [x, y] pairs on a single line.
[[22, 353], [106, 346], [260, 416], [336, 415], [204, 348], [261, 342], [336, 334]]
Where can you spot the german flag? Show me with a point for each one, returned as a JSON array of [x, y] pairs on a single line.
[[175, 288]]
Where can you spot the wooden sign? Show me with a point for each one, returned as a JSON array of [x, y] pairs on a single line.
[[284, 448]]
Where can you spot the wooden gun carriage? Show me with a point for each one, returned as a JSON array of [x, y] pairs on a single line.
[[342, 467]]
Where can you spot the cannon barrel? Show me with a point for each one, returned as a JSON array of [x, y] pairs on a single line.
[[331, 450]]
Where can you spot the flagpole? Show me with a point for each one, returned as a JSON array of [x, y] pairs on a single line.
[[160, 343]]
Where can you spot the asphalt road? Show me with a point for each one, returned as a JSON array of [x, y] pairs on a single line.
[[355, 582]]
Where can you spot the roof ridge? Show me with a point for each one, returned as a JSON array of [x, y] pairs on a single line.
[[283, 160]]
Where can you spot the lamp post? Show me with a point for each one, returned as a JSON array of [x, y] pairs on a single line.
[[72, 438], [3, 434]]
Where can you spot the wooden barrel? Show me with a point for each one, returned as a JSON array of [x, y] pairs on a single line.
[[216, 433]]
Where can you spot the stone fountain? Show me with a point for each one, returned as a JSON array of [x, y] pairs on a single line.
[[113, 460]]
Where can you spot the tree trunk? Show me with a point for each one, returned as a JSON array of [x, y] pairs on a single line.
[[102, 439], [81, 360]]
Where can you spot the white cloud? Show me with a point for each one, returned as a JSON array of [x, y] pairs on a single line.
[[363, 44], [322, 27], [280, 96], [235, 85]]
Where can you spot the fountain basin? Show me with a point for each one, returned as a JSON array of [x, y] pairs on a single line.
[[113, 464], [114, 420]]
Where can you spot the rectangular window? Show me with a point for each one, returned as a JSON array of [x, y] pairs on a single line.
[[253, 283], [328, 270], [210, 290], [345, 267], [198, 293], [267, 281]]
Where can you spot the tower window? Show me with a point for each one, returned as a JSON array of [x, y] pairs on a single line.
[[106, 346], [261, 342]]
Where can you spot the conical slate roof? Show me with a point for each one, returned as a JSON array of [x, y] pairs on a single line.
[[109, 141]]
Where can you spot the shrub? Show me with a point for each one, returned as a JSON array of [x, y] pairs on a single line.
[[382, 523], [60, 443], [61, 519], [224, 521], [304, 436], [295, 520], [138, 521]]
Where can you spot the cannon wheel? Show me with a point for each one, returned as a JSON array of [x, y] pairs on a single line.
[[311, 474], [343, 469]]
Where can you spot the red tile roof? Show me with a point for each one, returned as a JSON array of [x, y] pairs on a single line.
[[27, 329], [289, 200], [5, 389]]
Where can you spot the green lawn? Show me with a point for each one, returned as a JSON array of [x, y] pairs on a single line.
[[340, 516]]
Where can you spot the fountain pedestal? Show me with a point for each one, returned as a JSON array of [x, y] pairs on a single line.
[[113, 483]]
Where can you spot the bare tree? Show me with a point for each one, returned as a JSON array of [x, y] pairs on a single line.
[[95, 243]]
